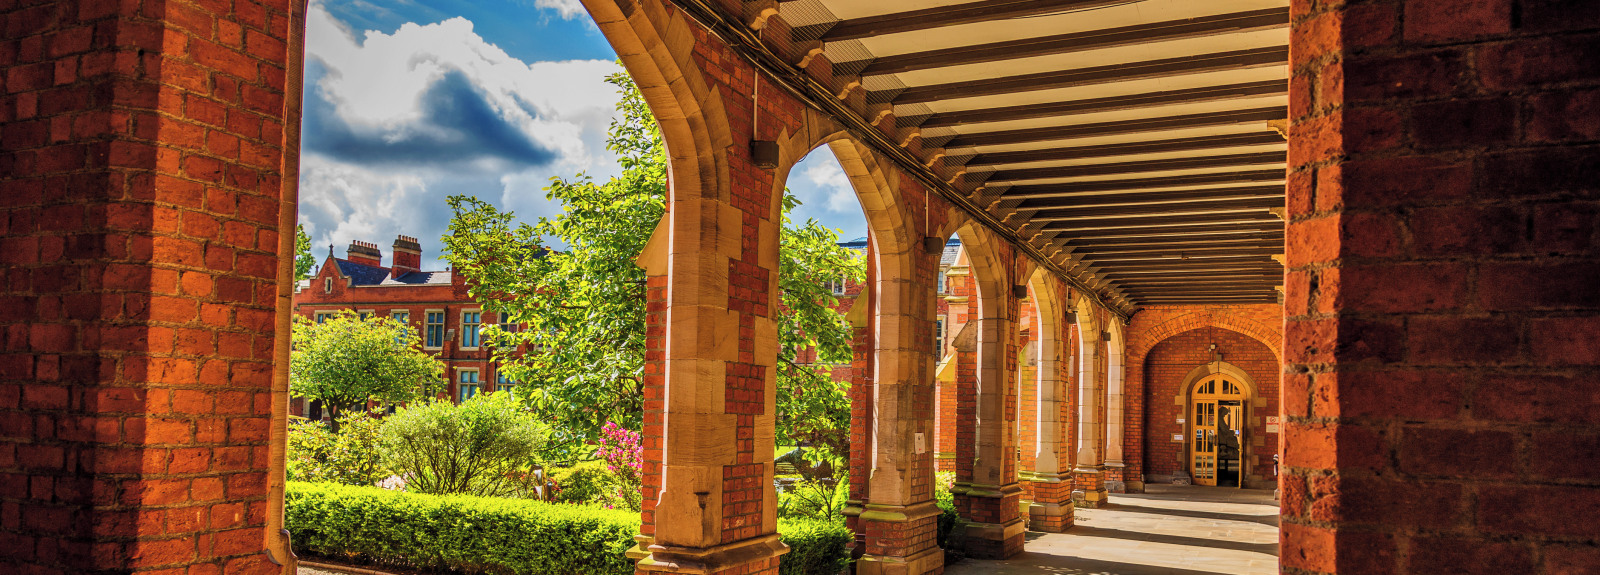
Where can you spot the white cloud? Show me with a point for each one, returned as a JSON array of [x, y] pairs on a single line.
[[829, 178], [386, 91], [567, 8]]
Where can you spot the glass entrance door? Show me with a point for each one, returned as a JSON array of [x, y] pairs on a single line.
[[1214, 440]]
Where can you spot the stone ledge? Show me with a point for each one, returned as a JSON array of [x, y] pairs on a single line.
[[698, 561]]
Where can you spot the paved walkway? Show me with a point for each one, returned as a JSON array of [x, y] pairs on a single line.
[[1171, 530]]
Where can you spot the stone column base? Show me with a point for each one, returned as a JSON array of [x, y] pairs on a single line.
[[755, 555], [901, 540], [1089, 487], [1052, 509], [1135, 486], [993, 540], [1113, 481]]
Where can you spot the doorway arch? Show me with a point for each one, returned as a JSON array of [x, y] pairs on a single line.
[[1217, 401]]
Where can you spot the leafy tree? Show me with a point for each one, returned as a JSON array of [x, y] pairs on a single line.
[[346, 361], [350, 457], [303, 260], [480, 447], [572, 282]]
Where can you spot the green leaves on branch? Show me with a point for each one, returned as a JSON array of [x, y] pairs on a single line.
[[303, 260], [346, 361], [570, 281]]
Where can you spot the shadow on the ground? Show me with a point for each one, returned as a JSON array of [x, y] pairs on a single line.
[[1087, 531], [1045, 564], [1271, 520]]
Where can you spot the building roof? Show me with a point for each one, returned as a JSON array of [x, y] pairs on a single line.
[[367, 275], [952, 250]]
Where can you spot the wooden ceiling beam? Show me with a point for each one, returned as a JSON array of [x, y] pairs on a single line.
[[1171, 242], [1094, 75], [1081, 41], [1124, 149], [1029, 135], [1029, 191], [1166, 164], [1136, 198], [1162, 256], [1148, 221], [953, 15], [1180, 231], [1175, 249], [1120, 272], [1186, 208]]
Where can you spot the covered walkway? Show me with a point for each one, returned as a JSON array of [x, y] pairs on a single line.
[[1168, 530]]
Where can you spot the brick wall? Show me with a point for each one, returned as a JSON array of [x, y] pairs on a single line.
[[140, 149], [1442, 313], [1262, 323], [1166, 369]]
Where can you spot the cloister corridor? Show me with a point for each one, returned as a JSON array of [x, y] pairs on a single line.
[[1168, 530]]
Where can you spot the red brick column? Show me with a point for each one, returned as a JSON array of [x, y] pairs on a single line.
[[140, 161], [1442, 334]]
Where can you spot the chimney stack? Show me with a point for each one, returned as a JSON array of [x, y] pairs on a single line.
[[407, 256], [364, 253]]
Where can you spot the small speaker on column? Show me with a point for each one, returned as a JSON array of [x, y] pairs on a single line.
[[764, 153]]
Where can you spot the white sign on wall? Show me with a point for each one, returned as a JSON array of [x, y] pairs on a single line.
[[1178, 437], [922, 443], [1272, 428], [1271, 419]]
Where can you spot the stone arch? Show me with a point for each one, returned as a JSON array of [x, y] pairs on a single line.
[[1115, 402], [1250, 392]]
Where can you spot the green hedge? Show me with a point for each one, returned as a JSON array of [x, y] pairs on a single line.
[[466, 533], [816, 547], [498, 535]]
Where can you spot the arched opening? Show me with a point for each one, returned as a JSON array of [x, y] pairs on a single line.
[[1172, 370], [1219, 409]]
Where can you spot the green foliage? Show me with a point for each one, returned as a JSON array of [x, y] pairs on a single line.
[[948, 518], [346, 361], [303, 260], [591, 483], [816, 546], [816, 499], [480, 447], [459, 532], [572, 281], [496, 535], [349, 457], [582, 354], [813, 408]]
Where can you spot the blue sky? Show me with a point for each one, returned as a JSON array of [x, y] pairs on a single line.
[[410, 101]]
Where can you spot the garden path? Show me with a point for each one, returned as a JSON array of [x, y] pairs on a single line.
[[1170, 530]]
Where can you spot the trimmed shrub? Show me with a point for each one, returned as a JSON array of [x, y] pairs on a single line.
[[498, 535], [816, 547], [589, 482], [350, 456], [460, 532], [479, 447]]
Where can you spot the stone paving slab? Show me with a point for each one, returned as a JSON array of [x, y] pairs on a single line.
[[1170, 530]]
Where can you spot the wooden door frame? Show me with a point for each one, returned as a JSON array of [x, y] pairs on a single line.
[[1247, 399]]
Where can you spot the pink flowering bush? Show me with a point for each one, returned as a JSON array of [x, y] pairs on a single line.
[[623, 452]]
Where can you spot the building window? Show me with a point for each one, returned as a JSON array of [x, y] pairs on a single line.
[[940, 282], [505, 322], [835, 287], [364, 314], [327, 285], [403, 317], [434, 330], [323, 316], [468, 379], [938, 336], [501, 382], [470, 320]]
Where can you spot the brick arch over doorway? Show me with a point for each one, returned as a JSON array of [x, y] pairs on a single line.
[[1262, 324], [1167, 376]]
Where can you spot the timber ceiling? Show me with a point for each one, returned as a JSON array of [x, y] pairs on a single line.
[[1127, 141]]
